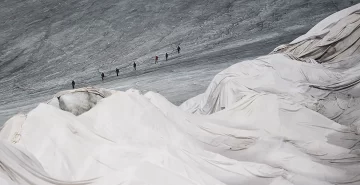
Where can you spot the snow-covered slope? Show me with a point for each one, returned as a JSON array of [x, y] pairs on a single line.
[[44, 45], [280, 119]]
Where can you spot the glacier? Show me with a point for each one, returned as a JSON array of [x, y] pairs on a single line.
[[287, 118]]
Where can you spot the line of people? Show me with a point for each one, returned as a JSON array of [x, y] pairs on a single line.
[[134, 66], [167, 55]]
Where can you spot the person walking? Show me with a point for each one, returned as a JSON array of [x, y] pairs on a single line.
[[117, 71], [178, 49], [73, 84], [102, 76], [156, 59], [166, 56], [134, 66]]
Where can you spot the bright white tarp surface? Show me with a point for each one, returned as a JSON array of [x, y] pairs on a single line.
[[288, 118]]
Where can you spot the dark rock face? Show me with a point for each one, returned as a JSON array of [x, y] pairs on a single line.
[[46, 44]]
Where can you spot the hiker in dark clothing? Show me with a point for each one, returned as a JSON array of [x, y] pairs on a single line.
[[102, 76], [166, 56], [117, 72], [134, 66], [178, 49], [73, 84], [156, 59]]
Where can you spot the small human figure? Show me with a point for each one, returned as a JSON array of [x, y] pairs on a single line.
[[73, 84], [178, 49], [166, 56], [102, 76], [134, 66], [117, 72], [156, 59]]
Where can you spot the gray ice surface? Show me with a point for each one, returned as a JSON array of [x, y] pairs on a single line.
[[44, 45]]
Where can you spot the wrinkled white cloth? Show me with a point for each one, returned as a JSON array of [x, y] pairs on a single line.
[[282, 119], [335, 38]]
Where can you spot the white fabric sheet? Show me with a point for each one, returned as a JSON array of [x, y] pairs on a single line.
[[288, 118]]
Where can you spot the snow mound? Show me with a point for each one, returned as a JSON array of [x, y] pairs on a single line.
[[80, 100], [281, 119]]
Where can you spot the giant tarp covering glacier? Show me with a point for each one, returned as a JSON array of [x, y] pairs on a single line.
[[291, 117]]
